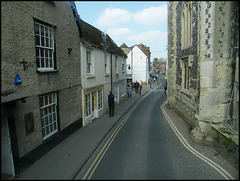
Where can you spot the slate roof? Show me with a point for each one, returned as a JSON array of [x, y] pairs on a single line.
[[93, 37]]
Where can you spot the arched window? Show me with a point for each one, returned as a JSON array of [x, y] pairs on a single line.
[[186, 24]]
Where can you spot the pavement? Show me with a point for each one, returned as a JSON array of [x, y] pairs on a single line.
[[67, 157]]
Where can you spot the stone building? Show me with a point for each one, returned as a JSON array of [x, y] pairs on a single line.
[[202, 56], [40, 75]]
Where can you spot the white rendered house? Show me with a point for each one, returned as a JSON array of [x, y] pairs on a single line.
[[137, 63], [102, 70]]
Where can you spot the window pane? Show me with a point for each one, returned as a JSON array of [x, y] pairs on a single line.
[[36, 29], [42, 62], [37, 40], [50, 119], [47, 42], [46, 100], [47, 130], [54, 117], [37, 52], [46, 32], [42, 31], [51, 128], [41, 101], [42, 41], [42, 122], [42, 52], [46, 120], [43, 132]]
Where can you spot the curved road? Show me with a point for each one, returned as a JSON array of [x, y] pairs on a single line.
[[144, 146]]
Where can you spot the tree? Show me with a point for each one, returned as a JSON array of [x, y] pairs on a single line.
[[155, 61]]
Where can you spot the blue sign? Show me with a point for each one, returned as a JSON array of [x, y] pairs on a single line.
[[18, 80]]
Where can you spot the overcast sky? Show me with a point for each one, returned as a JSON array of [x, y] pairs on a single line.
[[130, 22]]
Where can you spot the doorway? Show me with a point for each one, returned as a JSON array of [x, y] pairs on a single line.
[[9, 146]]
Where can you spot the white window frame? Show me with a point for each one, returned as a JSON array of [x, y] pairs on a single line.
[[48, 114], [44, 36], [106, 64], [89, 62], [88, 105], [100, 99]]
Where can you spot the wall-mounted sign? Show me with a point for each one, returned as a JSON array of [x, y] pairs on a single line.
[[29, 125], [18, 80]]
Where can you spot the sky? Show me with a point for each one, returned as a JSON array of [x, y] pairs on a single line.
[[129, 22]]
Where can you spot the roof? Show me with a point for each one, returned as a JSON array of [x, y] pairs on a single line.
[[93, 37], [145, 49]]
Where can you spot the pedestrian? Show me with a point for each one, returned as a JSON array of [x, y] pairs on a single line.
[[136, 87], [154, 79], [150, 83], [165, 87], [111, 102], [140, 87], [129, 90]]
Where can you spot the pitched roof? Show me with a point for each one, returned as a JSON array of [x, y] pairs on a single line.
[[125, 48], [145, 49], [93, 37]]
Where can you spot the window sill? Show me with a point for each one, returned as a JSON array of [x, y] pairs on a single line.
[[117, 74], [47, 71], [185, 91], [107, 75], [90, 76]]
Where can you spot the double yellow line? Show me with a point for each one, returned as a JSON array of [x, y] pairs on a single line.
[[223, 172], [99, 157]]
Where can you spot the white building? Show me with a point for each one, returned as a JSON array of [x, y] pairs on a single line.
[[137, 63], [103, 68]]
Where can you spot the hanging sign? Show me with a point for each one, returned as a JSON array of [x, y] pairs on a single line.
[[18, 80]]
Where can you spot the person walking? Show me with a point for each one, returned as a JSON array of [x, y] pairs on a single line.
[[140, 87], [111, 104], [136, 87], [165, 87], [129, 90]]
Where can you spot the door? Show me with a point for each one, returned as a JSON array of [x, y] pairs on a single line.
[[7, 164]]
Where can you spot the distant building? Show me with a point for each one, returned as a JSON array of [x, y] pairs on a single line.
[[40, 75], [203, 52], [138, 61], [103, 69]]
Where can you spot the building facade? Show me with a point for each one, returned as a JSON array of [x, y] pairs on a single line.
[[40, 73], [103, 69], [201, 61], [138, 60]]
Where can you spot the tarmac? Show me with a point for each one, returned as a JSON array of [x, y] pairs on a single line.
[[67, 157], [68, 154]]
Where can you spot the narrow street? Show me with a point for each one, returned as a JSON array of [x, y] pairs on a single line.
[[146, 147]]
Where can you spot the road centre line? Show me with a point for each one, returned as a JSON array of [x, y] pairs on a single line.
[[223, 172]]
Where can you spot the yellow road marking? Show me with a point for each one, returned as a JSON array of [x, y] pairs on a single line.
[[223, 172]]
